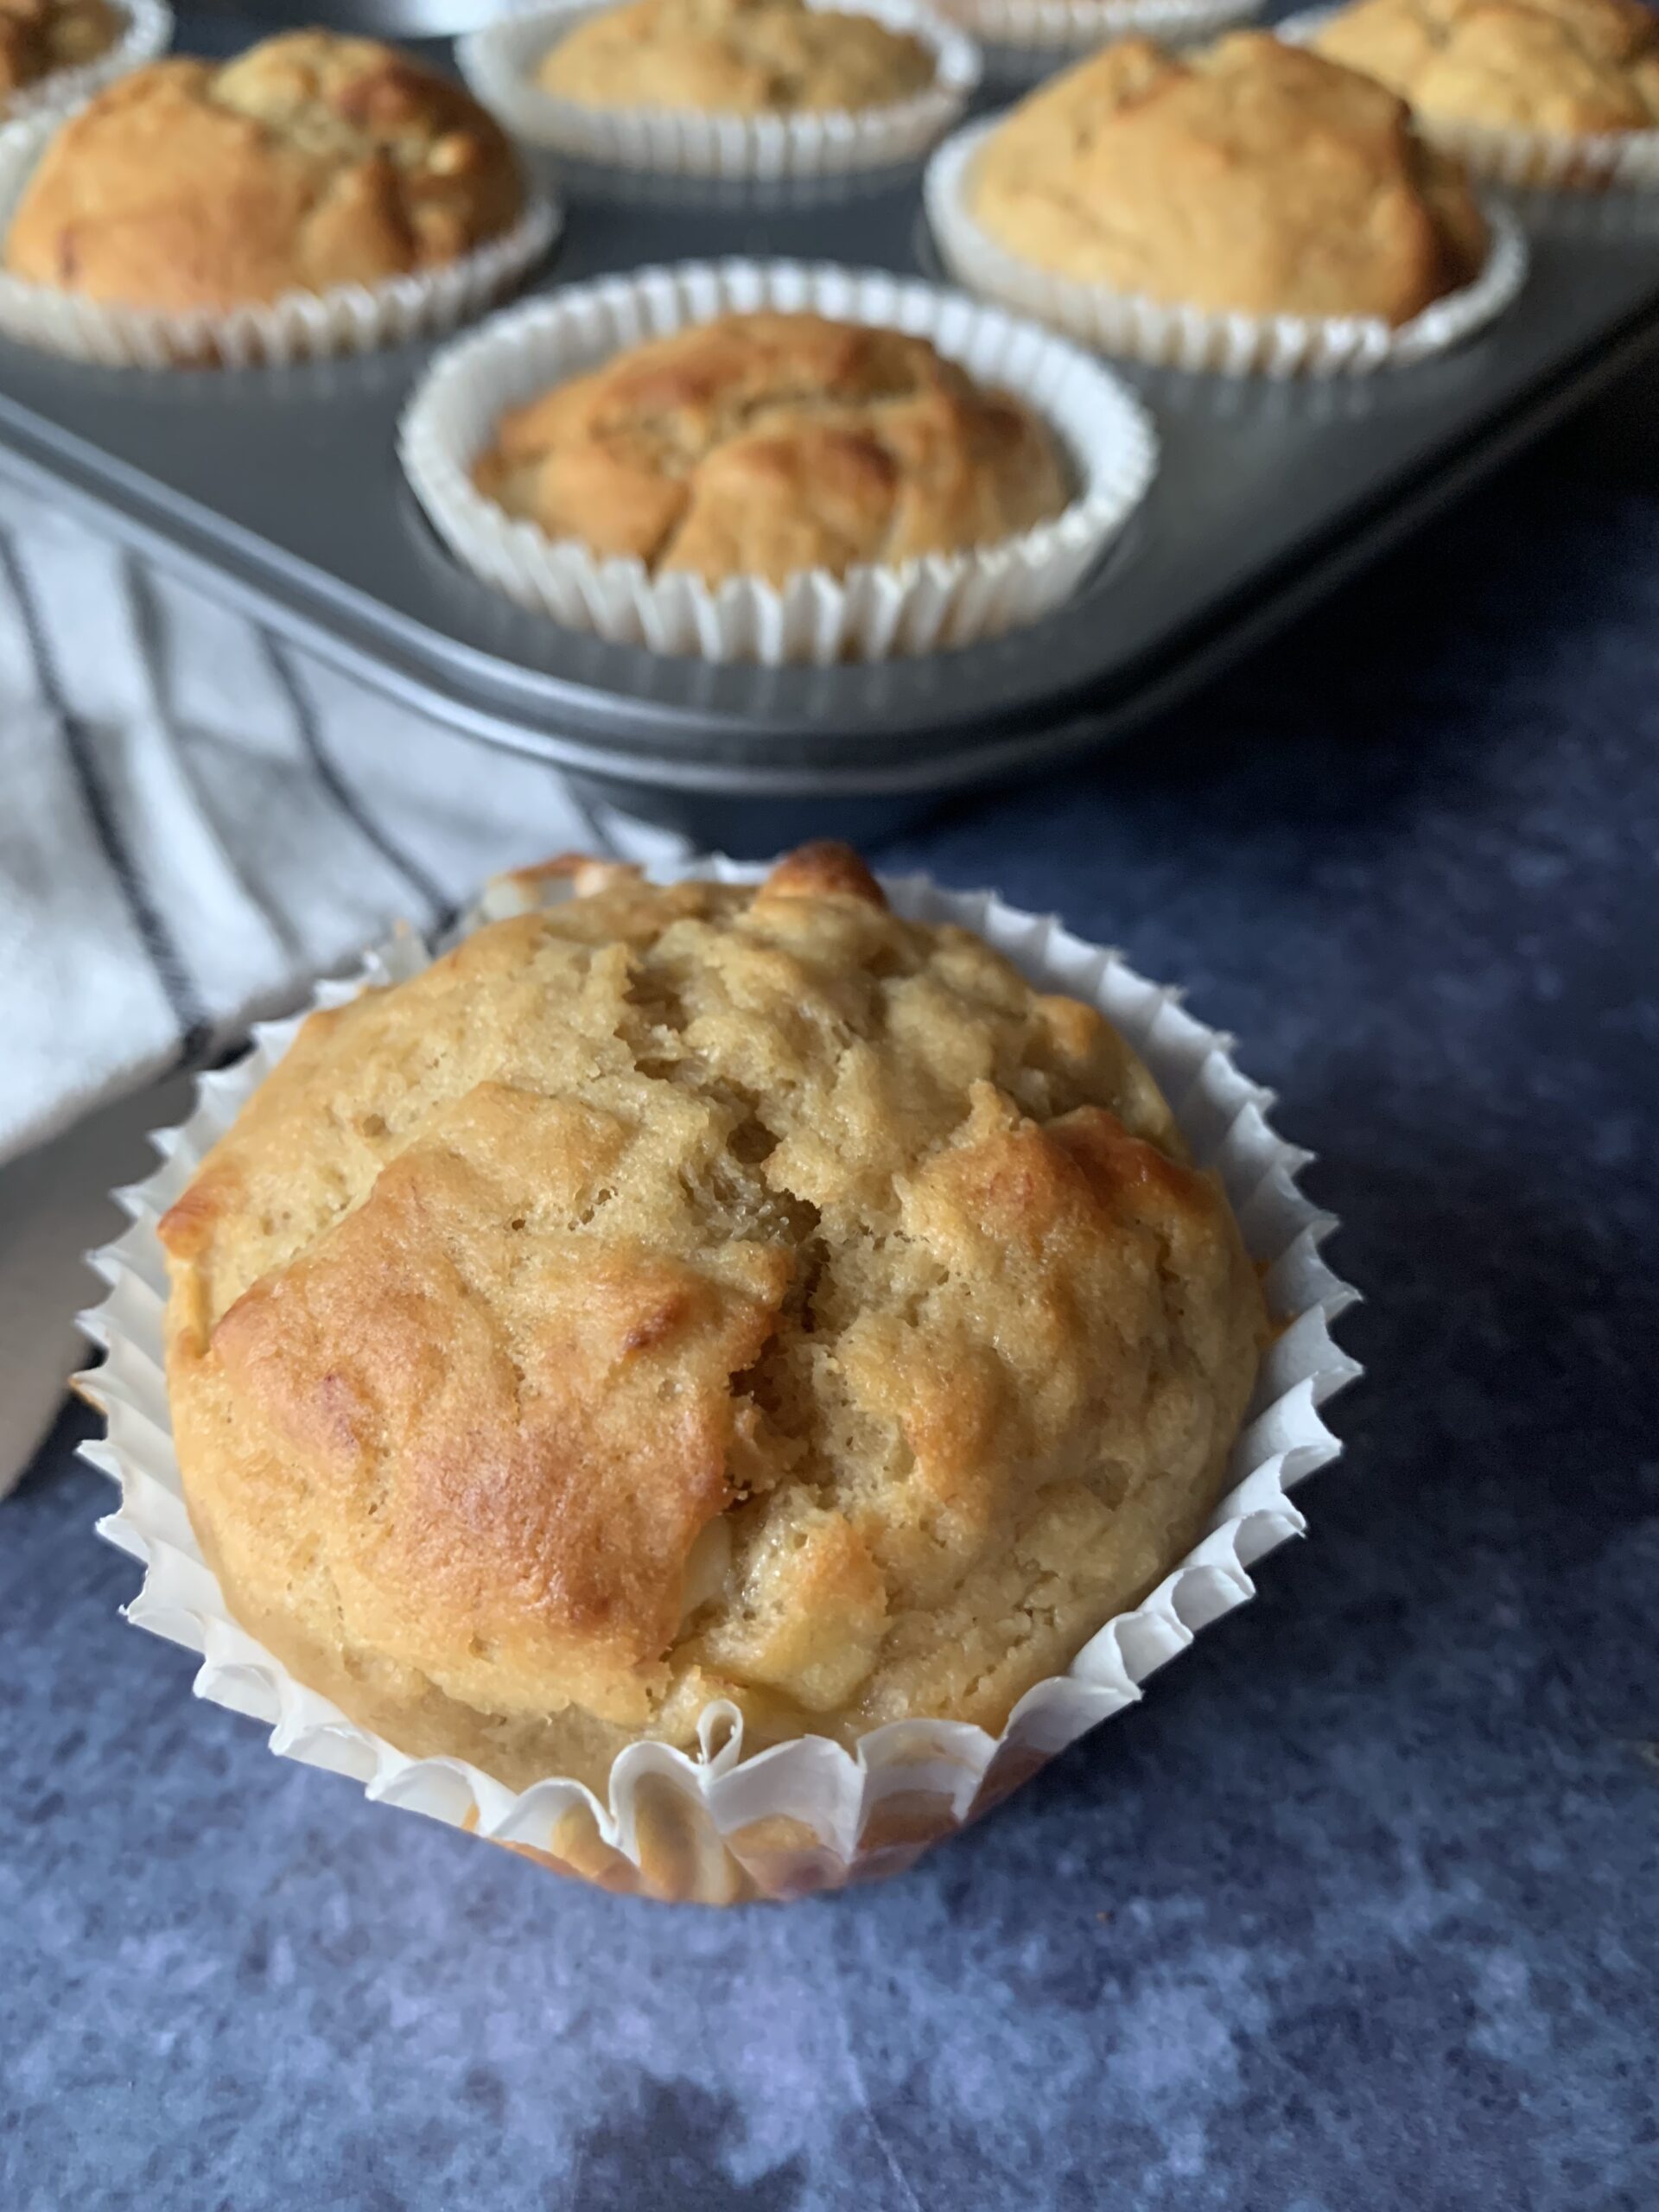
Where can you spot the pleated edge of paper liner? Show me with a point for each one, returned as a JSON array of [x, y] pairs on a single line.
[[1520, 160], [496, 61], [1130, 325], [301, 325], [1024, 36], [146, 37], [809, 1785], [872, 611]]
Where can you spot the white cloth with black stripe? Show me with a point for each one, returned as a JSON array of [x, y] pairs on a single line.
[[195, 821]]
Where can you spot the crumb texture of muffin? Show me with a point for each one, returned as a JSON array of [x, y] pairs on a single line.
[[38, 37], [736, 57], [764, 444], [1247, 176], [698, 1292], [1567, 66], [308, 161]]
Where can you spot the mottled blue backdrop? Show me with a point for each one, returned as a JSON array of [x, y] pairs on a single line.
[[1357, 1912]]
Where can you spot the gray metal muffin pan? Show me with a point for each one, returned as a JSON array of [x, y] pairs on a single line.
[[280, 490]]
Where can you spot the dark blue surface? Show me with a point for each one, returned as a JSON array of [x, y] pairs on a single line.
[[1358, 1911]]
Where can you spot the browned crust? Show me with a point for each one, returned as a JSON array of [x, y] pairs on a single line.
[[38, 37], [766, 444], [1248, 174], [307, 163], [1566, 66], [696, 1291], [823, 869], [734, 57]]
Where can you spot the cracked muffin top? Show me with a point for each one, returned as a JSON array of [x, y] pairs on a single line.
[[761, 445], [40, 37], [308, 161], [734, 57], [700, 1292], [1568, 67], [1247, 176]]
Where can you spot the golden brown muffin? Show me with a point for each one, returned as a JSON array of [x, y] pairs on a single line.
[[734, 57], [1560, 66], [693, 1293], [308, 161], [1248, 175], [40, 37], [758, 445]]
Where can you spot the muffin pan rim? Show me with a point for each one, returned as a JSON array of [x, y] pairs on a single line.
[[202, 470]]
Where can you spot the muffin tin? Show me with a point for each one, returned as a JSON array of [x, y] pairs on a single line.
[[279, 489]]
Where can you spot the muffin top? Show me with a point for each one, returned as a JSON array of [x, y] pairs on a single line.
[[760, 445], [308, 161], [1561, 65], [40, 37], [734, 57], [1248, 175], [696, 1291]]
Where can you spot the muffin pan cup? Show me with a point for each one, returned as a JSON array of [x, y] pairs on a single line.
[[498, 64], [149, 32], [278, 490], [871, 611], [299, 326], [712, 1826], [1132, 326]]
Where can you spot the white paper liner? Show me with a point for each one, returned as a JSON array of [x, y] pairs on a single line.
[[1231, 344], [301, 325], [871, 611], [1025, 37], [1550, 161], [804, 1815], [498, 64], [149, 32]]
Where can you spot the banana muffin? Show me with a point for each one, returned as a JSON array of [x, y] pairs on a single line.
[[734, 57], [308, 161], [693, 1292], [760, 445], [1567, 66], [1248, 175], [39, 37]]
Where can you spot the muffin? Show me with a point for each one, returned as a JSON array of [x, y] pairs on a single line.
[[763, 445], [39, 37], [1247, 176], [693, 1293], [1563, 67], [734, 57], [309, 162], [805, 463]]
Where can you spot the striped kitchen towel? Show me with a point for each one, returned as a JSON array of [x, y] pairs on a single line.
[[196, 820]]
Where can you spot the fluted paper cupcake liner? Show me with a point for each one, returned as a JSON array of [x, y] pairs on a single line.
[[1229, 343], [498, 63], [1023, 39], [299, 326], [1548, 161], [149, 32], [711, 1825], [871, 611]]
